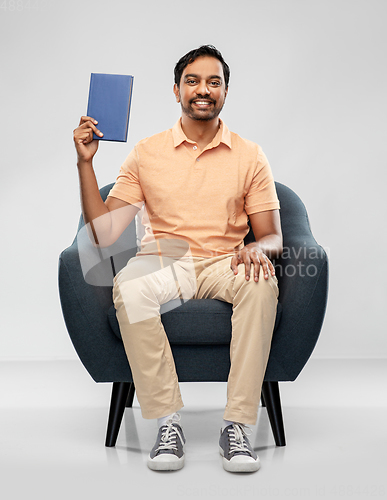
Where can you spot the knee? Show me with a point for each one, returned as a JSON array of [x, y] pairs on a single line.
[[261, 288], [135, 301], [137, 291]]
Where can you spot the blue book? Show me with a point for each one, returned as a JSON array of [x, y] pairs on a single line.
[[109, 103]]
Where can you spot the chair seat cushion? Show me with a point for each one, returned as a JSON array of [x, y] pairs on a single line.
[[197, 321]]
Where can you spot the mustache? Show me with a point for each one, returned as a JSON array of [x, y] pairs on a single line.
[[202, 97]]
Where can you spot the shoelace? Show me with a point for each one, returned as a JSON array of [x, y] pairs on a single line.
[[237, 435], [169, 435]]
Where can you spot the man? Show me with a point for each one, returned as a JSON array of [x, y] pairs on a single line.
[[200, 183]]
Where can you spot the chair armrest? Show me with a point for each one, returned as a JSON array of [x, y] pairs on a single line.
[[302, 274], [85, 310]]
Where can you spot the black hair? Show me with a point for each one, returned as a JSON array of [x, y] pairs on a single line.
[[203, 50]]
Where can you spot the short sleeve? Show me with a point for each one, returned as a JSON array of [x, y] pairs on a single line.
[[127, 186], [262, 194]]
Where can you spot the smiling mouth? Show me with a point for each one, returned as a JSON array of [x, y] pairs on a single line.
[[202, 103]]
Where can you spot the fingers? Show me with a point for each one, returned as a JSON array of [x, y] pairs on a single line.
[[256, 261], [85, 119], [265, 266], [271, 267], [263, 261], [84, 141], [83, 134], [243, 258], [234, 264], [253, 260]]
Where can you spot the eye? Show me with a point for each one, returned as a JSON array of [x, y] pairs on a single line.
[[215, 83], [190, 81]]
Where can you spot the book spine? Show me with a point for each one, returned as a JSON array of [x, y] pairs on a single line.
[[90, 92], [129, 102]]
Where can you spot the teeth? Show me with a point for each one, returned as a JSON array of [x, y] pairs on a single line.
[[202, 102]]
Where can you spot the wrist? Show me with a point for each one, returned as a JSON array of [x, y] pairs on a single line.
[[82, 164]]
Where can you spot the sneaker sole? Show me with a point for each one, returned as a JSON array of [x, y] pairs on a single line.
[[164, 462], [239, 464]]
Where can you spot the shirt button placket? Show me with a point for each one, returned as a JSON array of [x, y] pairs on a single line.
[[195, 148]]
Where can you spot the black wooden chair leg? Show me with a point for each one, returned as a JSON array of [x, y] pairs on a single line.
[[272, 399], [117, 407], [129, 401], [263, 400]]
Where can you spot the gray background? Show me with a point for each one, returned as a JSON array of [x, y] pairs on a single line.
[[308, 83]]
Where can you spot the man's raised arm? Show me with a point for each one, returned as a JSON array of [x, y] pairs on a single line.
[[105, 219]]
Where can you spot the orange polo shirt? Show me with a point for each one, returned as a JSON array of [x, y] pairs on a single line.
[[201, 197]]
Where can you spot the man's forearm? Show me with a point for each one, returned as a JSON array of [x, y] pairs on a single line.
[[91, 201], [93, 207], [270, 245], [104, 223]]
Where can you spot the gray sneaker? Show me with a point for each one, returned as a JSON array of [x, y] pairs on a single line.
[[168, 451], [236, 450]]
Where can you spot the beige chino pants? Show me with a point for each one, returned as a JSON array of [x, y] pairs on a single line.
[[148, 281]]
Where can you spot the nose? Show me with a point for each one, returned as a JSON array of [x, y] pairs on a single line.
[[202, 88]]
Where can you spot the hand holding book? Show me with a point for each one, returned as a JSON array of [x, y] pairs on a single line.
[[85, 143], [109, 107]]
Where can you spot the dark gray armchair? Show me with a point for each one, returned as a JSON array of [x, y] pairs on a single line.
[[199, 331]]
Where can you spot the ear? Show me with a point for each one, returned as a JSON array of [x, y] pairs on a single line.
[[176, 92]]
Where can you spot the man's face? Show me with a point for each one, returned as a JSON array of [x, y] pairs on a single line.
[[202, 89]]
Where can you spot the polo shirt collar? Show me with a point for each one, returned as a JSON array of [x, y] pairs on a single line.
[[223, 135]]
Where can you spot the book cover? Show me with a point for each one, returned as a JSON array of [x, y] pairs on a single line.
[[109, 103]]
